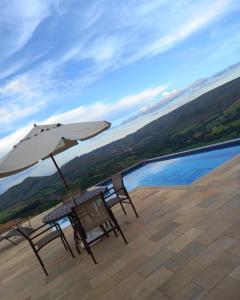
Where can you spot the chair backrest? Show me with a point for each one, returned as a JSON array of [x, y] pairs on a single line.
[[24, 231], [118, 184], [9, 225], [91, 213], [16, 228]]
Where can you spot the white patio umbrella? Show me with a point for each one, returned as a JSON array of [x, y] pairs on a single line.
[[44, 141]]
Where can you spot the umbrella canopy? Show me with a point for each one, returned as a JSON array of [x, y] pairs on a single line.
[[44, 141]]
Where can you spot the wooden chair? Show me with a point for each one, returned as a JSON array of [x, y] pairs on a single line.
[[8, 230], [46, 238], [120, 194], [70, 196], [89, 215]]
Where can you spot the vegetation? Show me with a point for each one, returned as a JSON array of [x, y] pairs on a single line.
[[210, 118]]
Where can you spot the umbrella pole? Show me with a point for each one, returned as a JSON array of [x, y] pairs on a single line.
[[60, 173]]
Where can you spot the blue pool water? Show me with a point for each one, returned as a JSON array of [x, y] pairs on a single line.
[[179, 171]]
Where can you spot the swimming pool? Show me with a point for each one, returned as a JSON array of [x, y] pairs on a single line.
[[176, 171], [179, 171]]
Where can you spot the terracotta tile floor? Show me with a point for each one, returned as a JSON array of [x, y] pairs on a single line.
[[185, 245]]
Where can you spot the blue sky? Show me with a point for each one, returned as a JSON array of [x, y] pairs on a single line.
[[122, 61]]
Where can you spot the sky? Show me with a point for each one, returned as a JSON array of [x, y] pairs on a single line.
[[127, 62]]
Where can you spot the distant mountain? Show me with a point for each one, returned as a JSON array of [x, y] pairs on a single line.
[[212, 117]]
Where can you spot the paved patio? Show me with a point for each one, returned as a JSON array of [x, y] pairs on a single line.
[[185, 245]]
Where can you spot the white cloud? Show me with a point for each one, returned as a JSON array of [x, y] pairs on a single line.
[[96, 111], [98, 37], [172, 94], [143, 109], [166, 98], [146, 95], [20, 19], [95, 37], [19, 98], [17, 86], [171, 100], [15, 112], [112, 111], [232, 44], [196, 16], [7, 142]]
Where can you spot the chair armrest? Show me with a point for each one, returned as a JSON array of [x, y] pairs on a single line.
[[24, 220], [113, 193], [109, 189], [18, 228], [37, 228], [43, 231], [109, 195]]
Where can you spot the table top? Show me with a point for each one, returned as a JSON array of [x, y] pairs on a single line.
[[65, 210]]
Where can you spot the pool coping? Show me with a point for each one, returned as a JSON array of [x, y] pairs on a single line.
[[212, 147]]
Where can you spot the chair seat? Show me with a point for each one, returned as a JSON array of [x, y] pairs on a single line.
[[47, 238], [115, 200]]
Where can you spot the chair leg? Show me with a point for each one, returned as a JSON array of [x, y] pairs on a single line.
[[67, 244], [10, 241], [89, 251], [123, 236], [117, 226], [77, 247], [41, 262], [64, 240], [104, 230], [113, 229], [106, 223], [83, 235], [78, 233], [76, 239], [123, 208], [133, 207]]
